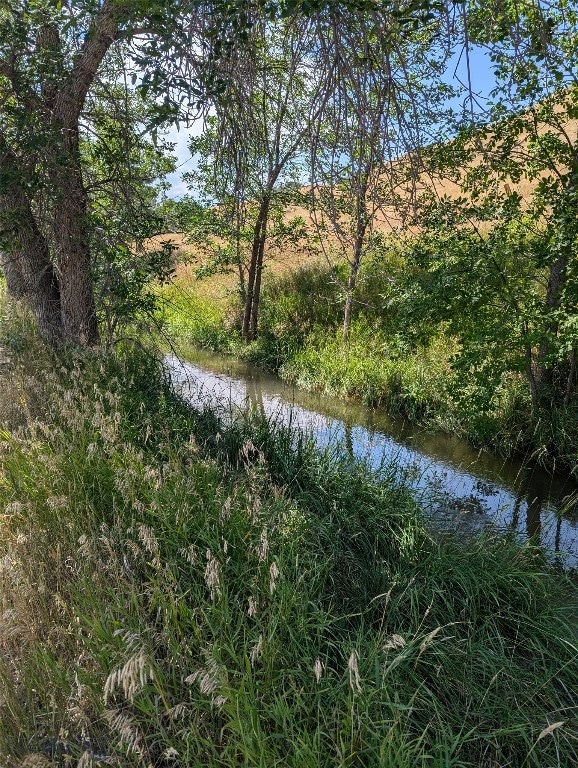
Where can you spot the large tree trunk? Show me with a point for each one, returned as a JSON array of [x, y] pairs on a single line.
[[26, 256], [70, 212], [71, 239], [12, 270], [66, 308]]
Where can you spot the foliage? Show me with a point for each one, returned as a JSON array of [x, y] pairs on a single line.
[[192, 318], [250, 155], [123, 172]]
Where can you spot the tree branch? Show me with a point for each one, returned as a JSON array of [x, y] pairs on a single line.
[[101, 34]]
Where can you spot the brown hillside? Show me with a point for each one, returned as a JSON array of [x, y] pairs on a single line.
[[321, 243]]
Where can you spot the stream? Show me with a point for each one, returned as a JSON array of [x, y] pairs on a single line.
[[460, 488]]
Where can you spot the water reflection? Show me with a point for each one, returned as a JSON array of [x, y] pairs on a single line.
[[461, 487]]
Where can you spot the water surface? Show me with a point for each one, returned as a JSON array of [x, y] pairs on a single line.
[[461, 488]]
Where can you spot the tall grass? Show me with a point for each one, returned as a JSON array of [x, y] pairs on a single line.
[[191, 316], [177, 592]]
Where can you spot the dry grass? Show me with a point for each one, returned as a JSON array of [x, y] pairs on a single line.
[[322, 243]]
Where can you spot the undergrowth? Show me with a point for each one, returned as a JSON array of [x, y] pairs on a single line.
[[414, 369], [176, 591]]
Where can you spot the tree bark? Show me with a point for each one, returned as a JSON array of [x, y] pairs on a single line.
[[70, 224], [71, 240], [12, 270], [258, 278], [543, 368], [348, 311], [352, 281], [531, 377], [250, 316], [26, 259]]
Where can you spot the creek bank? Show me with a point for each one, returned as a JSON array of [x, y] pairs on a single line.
[[461, 489], [419, 379]]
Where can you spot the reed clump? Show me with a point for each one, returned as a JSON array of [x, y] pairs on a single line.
[[176, 592]]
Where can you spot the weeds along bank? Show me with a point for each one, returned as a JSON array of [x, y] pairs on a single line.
[[174, 592], [461, 373], [300, 339]]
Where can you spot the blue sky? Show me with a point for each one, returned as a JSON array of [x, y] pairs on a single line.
[[480, 72], [184, 160], [482, 82]]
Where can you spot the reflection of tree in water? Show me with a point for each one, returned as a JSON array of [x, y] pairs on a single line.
[[534, 503], [533, 519], [558, 532], [255, 397], [348, 430]]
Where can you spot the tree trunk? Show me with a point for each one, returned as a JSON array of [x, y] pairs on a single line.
[[26, 258], [258, 278], [531, 377], [71, 238], [70, 213], [12, 270], [543, 368], [250, 315], [352, 281], [241, 272]]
